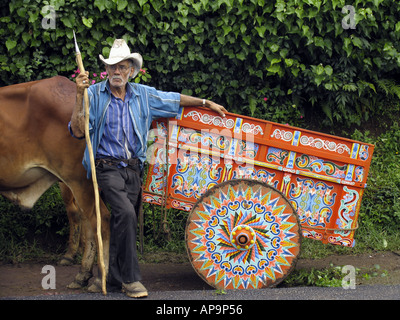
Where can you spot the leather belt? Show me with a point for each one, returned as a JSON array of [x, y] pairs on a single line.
[[112, 162]]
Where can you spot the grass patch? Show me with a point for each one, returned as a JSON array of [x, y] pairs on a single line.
[[330, 277], [21, 251]]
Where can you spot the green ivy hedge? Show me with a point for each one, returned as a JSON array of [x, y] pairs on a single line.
[[286, 61]]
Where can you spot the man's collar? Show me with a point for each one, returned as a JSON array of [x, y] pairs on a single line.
[[104, 85], [130, 88]]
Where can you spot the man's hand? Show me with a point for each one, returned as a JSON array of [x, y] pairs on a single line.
[[82, 82], [188, 101], [216, 107]]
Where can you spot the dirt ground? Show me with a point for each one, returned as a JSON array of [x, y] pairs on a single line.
[[25, 279]]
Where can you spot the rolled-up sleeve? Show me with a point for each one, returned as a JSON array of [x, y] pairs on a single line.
[[72, 134], [164, 104]]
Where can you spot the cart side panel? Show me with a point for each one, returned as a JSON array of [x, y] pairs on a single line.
[[323, 176], [155, 181]]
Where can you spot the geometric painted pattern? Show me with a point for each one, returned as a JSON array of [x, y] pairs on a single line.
[[243, 234]]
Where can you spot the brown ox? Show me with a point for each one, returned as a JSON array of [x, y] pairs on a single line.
[[36, 150]]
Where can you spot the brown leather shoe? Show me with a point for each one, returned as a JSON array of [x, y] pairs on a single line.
[[134, 290]]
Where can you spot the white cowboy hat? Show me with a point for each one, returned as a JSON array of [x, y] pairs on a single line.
[[120, 52]]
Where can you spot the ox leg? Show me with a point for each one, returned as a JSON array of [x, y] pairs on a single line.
[[85, 201], [75, 228], [86, 270]]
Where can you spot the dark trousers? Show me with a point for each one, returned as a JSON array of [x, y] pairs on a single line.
[[121, 190]]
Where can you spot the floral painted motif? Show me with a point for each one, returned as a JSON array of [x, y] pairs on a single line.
[[195, 174], [313, 202], [347, 211], [205, 118], [314, 164], [312, 142], [210, 119]]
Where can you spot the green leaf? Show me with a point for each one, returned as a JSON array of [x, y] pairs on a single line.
[[247, 40], [67, 22], [318, 80], [273, 61], [289, 62], [33, 16], [328, 111], [261, 30], [319, 42], [276, 68], [142, 2], [22, 12], [241, 56], [328, 70], [106, 51], [319, 70], [259, 56], [226, 29], [274, 47], [252, 105], [11, 44], [335, 3], [295, 71], [121, 4], [357, 42], [26, 37], [142, 36], [306, 30], [347, 46], [164, 47], [87, 22], [197, 7], [96, 34], [101, 4]]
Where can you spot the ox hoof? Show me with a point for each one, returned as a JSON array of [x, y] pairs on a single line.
[[95, 287], [81, 280], [66, 261], [75, 285]]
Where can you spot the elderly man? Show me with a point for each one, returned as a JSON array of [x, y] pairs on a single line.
[[120, 116]]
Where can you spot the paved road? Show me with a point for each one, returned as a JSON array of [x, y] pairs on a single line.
[[206, 304], [378, 292]]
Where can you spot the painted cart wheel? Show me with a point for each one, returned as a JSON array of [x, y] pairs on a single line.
[[243, 234]]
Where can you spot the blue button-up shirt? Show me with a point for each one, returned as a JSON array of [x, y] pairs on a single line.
[[144, 105], [119, 139]]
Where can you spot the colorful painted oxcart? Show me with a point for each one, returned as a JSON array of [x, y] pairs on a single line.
[[253, 189]]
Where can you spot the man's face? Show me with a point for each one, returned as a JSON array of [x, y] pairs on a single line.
[[118, 74]]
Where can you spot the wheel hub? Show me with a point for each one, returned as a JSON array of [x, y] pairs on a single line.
[[243, 237]]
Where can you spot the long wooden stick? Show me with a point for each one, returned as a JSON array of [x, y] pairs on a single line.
[[93, 168]]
